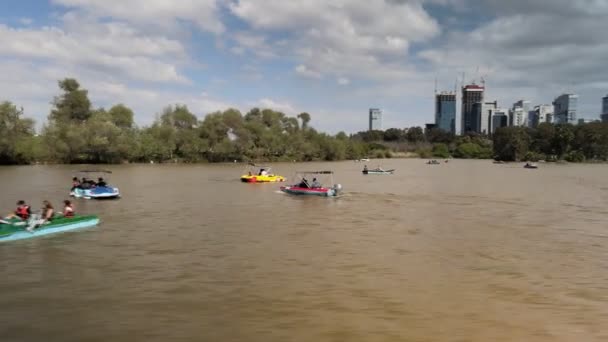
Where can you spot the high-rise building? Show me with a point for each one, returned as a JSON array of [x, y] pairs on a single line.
[[604, 115], [565, 107], [499, 119], [471, 94], [445, 111], [541, 114], [518, 117], [375, 119], [482, 118]]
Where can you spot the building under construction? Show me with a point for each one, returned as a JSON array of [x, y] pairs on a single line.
[[471, 94]]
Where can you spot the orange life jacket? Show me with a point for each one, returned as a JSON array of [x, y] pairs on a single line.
[[23, 211]]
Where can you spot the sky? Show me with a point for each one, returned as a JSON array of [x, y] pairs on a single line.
[[331, 58]]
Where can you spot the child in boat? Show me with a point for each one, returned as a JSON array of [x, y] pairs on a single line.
[[68, 209]]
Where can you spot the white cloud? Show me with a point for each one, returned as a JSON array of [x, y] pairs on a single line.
[[110, 47], [284, 107], [252, 42], [304, 71], [343, 81], [203, 13], [354, 38], [26, 21]]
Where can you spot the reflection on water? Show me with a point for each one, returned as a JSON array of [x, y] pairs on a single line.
[[465, 251]]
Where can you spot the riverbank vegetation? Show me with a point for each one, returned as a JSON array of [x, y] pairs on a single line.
[[585, 142], [75, 132]]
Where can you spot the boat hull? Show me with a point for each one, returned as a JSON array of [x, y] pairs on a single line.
[[377, 172], [322, 192], [262, 179], [105, 192], [9, 232]]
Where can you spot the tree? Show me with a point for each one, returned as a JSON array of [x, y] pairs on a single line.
[[511, 143], [305, 117], [122, 116], [393, 134], [15, 134], [441, 151], [415, 134], [73, 105]]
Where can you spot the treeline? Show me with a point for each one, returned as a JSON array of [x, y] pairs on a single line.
[[416, 141], [585, 142], [75, 132]]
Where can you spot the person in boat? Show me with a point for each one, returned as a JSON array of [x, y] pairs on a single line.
[[68, 209], [249, 173], [22, 212], [47, 211], [315, 184], [263, 172], [75, 183], [85, 183], [101, 182], [364, 167], [303, 183]]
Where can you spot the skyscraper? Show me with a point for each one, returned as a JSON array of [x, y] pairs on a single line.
[[482, 117], [375, 119], [605, 109], [565, 107], [499, 119], [445, 111], [519, 115], [541, 114], [471, 94]]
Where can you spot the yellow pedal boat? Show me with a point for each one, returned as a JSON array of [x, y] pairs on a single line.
[[262, 176]]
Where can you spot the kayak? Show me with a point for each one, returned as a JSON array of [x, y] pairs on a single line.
[[15, 229]]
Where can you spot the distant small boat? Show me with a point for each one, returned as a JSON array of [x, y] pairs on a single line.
[[378, 172], [530, 166], [433, 162]]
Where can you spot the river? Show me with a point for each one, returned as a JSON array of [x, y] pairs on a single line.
[[464, 251]]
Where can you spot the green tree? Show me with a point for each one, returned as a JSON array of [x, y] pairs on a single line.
[[122, 116], [415, 134], [441, 151], [305, 117], [73, 105], [16, 134], [511, 143]]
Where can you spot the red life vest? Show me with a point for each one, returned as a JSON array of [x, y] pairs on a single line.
[[68, 212], [23, 211]]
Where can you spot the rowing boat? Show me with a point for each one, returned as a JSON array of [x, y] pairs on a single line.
[[15, 229]]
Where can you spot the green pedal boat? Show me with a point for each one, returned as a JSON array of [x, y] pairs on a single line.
[[15, 229]]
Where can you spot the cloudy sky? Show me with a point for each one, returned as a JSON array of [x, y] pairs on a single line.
[[331, 58]]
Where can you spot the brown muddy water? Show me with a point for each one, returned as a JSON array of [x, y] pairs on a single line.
[[464, 251]]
